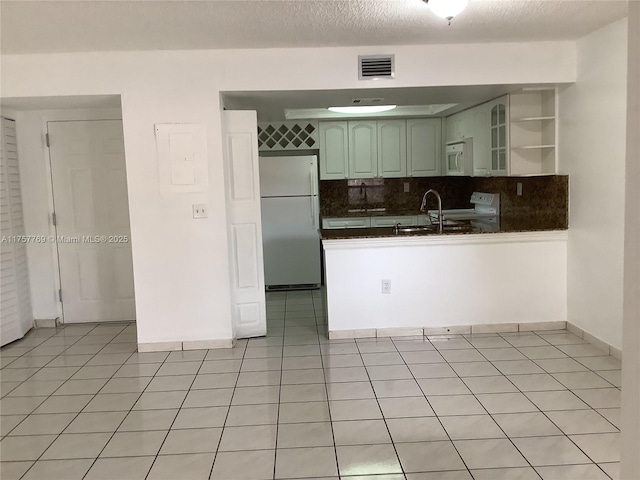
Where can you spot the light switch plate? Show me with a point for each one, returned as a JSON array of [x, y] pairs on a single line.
[[406, 187], [519, 189], [200, 210]]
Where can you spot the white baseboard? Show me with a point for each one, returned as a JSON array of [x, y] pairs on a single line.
[[494, 328], [540, 326], [399, 332], [46, 322], [449, 330], [452, 330], [187, 345], [595, 341], [159, 347], [207, 344]]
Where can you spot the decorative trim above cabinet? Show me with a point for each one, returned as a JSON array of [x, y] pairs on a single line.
[[300, 135]]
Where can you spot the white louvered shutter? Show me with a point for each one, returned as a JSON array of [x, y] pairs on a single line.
[[15, 304]]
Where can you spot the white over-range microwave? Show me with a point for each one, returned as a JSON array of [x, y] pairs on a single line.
[[459, 157]]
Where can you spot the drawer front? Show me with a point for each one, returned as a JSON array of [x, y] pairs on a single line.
[[423, 220], [405, 220], [349, 222]]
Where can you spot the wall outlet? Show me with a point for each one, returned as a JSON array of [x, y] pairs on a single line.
[[200, 210], [519, 189], [406, 187], [386, 286]]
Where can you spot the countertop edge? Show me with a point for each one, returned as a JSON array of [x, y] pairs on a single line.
[[448, 239]]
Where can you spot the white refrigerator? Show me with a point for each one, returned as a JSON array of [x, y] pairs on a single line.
[[289, 201]]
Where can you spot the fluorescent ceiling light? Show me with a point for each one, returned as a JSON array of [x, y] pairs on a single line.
[[362, 109], [399, 111]]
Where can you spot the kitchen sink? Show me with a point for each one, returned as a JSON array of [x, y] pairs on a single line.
[[433, 228]]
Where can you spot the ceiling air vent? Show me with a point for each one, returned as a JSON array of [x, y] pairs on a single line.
[[372, 67]]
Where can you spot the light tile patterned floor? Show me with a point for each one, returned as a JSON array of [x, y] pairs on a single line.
[[78, 402]]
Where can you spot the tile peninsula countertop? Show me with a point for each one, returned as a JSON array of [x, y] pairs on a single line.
[[507, 225]]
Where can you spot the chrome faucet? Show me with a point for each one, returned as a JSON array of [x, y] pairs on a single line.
[[423, 207]]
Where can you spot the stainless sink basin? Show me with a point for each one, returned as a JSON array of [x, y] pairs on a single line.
[[446, 228]]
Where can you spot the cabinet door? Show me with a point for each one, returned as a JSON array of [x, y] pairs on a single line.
[[349, 222], [499, 135], [424, 147], [481, 141], [405, 220], [334, 148], [392, 148], [363, 150]]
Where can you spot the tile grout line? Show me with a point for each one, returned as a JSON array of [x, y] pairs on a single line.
[[127, 411], [426, 339], [326, 390], [224, 423], [284, 334], [178, 411], [565, 435], [65, 381]]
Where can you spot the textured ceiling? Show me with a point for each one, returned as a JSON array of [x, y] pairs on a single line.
[[95, 25]]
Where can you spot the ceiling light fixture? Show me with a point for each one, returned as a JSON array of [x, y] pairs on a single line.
[[447, 9], [362, 109]]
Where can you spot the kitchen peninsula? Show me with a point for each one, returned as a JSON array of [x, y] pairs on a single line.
[[379, 283]]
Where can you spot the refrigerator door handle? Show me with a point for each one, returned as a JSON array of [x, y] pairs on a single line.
[[313, 211], [312, 181]]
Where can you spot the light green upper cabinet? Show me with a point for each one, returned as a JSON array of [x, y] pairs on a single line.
[[334, 150], [424, 147], [363, 149], [392, 148]]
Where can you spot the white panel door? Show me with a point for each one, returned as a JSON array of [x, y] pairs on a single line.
[[92, 210], [244, 225]]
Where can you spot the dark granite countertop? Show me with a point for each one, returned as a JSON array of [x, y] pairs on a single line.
[[373, 212], [507, 225]]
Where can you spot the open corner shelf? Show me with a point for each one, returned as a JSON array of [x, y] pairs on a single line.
[[535, 119], [534, 147]]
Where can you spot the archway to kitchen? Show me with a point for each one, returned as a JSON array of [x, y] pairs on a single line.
[[296, 132]]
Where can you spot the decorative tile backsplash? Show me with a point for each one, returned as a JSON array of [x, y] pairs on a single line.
[[545, 199]]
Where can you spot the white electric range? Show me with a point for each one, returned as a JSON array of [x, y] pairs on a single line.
[[485, 214]]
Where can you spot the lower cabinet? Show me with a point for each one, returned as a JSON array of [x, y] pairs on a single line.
[[347, 222], [366, 222], [393, 221]]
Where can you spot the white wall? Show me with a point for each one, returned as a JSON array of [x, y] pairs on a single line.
[[180, 265], [37, 203], [446, 281], [592, 152]]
